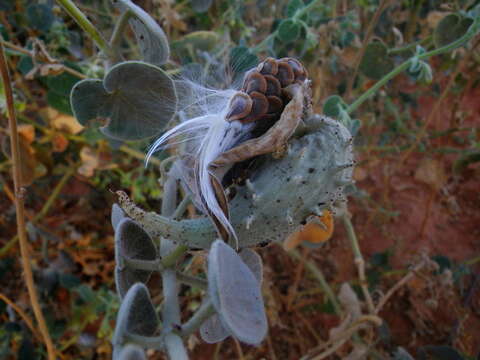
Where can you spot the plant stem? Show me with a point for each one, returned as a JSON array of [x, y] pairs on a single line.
[[203, 313], [19, 204], [116, 37], [405, 65], [86, 25], [171, 308], [46, 207], [359, 261], [321, 279]]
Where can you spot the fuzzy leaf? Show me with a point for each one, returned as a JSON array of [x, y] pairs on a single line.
[[117, 215], [136, 315], [40, 17], [152, 40], [254, 263], [236, 295], [375, 62], [136, 99], [450, 28], [132, 352], [131, 241], [288, 31], [201, 5], [212, 330], [331, 105]]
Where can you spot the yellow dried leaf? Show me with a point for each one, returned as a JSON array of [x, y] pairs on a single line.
[[432, 173]]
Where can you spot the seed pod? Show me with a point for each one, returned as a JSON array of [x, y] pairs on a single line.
[[297, 68]]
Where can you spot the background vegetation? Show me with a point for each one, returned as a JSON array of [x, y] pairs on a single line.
[[415, 206]]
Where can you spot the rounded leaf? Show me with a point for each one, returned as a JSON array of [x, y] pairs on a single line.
[[117, 215], [375, 62], [135, 99], [201, 5], [152, 40], [212, 330], [131, 241], [254, 263], [236, 294], [288, 30], [132, 352], [450, 28], [136, 315], [134, 242], [332, 106], [40, 17]]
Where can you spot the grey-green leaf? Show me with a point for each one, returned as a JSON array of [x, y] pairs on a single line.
[[131, 241], [450, 28], [375, 62], [201, 5], [117, 215], [332, 106], [132, 352], [135, 99], [236, 294], [254, 263], [136, 315], [288, 30], [212, 330], [152, 40]]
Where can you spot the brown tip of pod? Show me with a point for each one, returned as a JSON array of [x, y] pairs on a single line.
[[273, 86], [259, 107], [255, 82], [285, 73], [268, 66], [275, 104], [240, 106]]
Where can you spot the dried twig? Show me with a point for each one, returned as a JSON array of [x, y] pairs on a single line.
[[19, 204], [359, 261]]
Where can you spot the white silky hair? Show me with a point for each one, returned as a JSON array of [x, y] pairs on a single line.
[[206, 135]]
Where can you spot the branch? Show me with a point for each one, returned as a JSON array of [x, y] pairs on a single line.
[[19, 204]]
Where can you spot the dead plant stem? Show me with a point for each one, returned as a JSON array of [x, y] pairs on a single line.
[[19, 204], [359, 261]]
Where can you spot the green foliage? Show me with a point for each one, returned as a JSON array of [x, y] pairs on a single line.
[[375, 62], [40, 17], [136, 99], [451, 28], [288, 31]]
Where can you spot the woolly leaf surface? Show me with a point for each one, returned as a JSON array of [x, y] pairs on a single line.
[[135, 100]]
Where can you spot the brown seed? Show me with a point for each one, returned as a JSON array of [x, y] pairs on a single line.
[[255, 82], [240, 106], [268, 66], [259, 107], [275, 104], [297, 67], [273, 85], [285, 74]]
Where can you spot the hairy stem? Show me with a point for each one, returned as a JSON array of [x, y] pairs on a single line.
[[321, 279], [203, 313], [19, 204], [171, 308], [86, 25]]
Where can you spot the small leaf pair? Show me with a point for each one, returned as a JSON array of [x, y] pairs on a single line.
[[131, 243], [235, 290], [136, 317]]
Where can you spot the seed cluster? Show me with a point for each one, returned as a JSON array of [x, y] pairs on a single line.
[[263, 95]]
